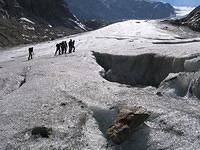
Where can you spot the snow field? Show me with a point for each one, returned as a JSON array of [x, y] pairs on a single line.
[[74, 79]]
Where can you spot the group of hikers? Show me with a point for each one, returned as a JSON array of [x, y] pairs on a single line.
[[61, 48]]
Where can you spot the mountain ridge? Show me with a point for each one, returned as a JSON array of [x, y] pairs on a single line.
[[29, 21], [119, 9]]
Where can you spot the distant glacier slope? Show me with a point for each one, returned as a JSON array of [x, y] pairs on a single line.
[[182, 11]]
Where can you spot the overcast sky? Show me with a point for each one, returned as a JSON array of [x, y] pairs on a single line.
[[183, 2]]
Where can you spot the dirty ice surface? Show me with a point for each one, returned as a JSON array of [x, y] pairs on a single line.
[[68, 94]]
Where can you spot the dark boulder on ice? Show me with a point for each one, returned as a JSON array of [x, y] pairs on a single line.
[[63, 104], [125, 123], [41, 131]]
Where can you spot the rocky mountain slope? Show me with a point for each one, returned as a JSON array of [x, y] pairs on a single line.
[[120, 9], [192, 20], [55, 13], [27, 21]]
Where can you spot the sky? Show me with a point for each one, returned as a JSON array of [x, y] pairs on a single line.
[[192, 3]]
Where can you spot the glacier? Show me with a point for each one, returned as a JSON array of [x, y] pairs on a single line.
[[182, 11], [69, 94]]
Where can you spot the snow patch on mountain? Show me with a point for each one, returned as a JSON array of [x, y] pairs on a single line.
[[27, 20]]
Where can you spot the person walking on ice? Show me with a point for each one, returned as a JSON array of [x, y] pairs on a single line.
[[70, 44], [73, 46], [30, 50], [58, 49]]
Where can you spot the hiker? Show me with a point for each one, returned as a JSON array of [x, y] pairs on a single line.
[[30, 50], [62, 47], [70, 44], [57, 48], [65, 43], [73, 47]]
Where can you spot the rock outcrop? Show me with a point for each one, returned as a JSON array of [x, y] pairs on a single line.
[[124, 124], [13, 32]]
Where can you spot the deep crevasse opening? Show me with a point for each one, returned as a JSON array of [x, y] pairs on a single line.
[[172, 76]]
